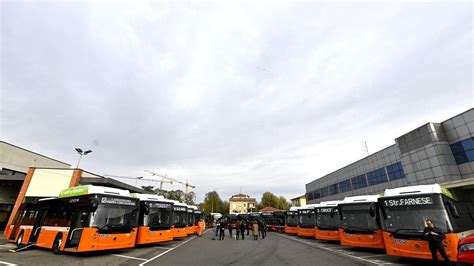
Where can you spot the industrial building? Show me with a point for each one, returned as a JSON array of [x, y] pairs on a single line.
[[440, 153], [27, 174]]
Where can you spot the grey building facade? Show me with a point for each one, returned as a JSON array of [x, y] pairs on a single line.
[[440, 153]]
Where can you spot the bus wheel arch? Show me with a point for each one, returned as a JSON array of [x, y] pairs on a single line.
[[58, 241]]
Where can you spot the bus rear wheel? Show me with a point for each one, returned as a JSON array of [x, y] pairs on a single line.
[[58, 241]]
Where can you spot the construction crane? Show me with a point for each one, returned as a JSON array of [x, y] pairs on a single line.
[[170, 180]]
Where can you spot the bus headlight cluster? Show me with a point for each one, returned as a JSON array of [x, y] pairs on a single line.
[[466, 247]]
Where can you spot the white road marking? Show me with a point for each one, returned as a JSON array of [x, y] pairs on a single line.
[[330, 250], [128, 257], [161, 254], [7, 263], [7, 246]]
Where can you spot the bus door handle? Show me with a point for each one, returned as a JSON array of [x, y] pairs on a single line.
[[36, 231], [74, 230]]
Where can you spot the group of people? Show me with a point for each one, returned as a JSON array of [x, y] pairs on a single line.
[[257, 227]]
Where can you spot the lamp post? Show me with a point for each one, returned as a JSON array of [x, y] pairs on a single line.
[[81, 152]]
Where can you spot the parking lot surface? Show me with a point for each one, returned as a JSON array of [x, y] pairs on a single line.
[[275, 249]]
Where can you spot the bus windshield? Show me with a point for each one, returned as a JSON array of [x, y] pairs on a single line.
[[324, 219], [180, 218], [159, 218], [113, 217], [306, 218], [407, 214], [356, 217], [292, 219]]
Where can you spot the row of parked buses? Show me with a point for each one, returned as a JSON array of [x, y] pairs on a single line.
[[393, 221], [92, 218]]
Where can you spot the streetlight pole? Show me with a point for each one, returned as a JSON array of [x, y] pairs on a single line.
[[139, 177], [81, 152]]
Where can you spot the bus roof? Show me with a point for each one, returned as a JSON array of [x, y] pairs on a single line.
[[420, 189], [177, 203], [360, 199], [332, 203], [294, 208], [90, 189], [150, 197]]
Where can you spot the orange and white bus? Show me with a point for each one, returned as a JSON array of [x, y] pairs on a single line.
[[404, 212], [82, 218], [191, 227], [327, 220], [306, 221], [179, 220], [291, 221], [155, 219], [360, 222]]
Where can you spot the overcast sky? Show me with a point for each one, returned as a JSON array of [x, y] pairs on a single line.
[[263, 97]]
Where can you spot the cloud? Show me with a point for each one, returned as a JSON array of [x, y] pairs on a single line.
[[266, 97]]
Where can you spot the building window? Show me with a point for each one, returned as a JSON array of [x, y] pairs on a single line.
[[359, 182], [377, 177], [463, 151], [333, 189], [395, 171], [345, 186], [309, 196], [317, 194], [324, 192]]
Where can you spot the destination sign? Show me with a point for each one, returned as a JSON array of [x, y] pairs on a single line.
[[326, 210], [306, 211], [179, 208], [118, 201], [291, 213], [159, 205], [190, 210], [408, 201]]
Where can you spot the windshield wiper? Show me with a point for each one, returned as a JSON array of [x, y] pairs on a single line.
[[109, 226], [407, 230]]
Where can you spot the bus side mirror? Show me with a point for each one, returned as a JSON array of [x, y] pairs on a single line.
[[146, 210], [453, 209], [372, 209], [94, 204]]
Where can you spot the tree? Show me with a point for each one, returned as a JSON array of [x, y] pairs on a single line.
[[189, 198], [213, 203], [283, 204], [148, 188], [270, 200]]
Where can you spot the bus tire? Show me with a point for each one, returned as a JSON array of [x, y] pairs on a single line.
[[58, 241], [19, 239]]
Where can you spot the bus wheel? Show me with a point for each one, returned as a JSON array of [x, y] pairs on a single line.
[[19, 239], [57, 244]]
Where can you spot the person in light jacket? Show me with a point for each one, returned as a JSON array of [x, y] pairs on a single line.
[[255, 230]]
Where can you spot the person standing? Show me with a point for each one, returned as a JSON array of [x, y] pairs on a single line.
[[230, 228], [255, 230], [261, 227], [222, 230], [237, 229], [243, 225], [218, 225], [201, 226], [435, 239]]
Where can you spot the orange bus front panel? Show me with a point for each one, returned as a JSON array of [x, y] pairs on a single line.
[[179, 232], [191, 230], [326, 234], [147, 236], [305, 232], [362, 240], [419, 248], [91, 240], [25, 231], [292, 230], [47, 235]]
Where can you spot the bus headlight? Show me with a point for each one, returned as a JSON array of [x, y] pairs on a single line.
[[466, 247]]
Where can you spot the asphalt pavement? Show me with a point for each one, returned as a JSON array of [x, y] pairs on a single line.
[[275, 249]]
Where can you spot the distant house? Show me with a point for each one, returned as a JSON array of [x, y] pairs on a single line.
[[270, 209], [241, 203], [299, 201]]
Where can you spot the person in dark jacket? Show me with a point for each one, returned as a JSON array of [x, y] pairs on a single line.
[[237, 229], [222, 230], [243, 225], [229, 225], [261, 227], [435, 239]]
